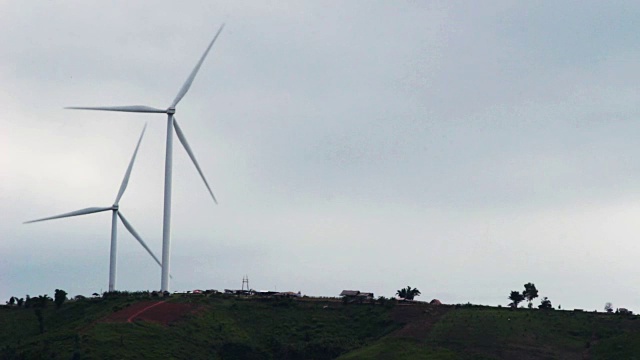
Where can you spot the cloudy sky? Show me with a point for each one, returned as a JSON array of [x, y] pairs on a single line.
[[462, 149]]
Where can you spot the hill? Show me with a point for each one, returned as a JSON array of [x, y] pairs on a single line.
[[226, 327]]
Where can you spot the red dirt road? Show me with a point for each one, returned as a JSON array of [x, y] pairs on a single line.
[[162, 312], [130, 319]]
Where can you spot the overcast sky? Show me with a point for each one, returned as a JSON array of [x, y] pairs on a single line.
[[464, 149]]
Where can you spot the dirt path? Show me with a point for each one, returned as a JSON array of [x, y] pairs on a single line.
[[163, 312], [418, 319], [130, 319]]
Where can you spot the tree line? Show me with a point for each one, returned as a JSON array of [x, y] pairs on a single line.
[[40, 301], [529, 293]]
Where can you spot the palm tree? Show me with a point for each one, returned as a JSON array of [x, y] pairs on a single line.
[[408, 293]]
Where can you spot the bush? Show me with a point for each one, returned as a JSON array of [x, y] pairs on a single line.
[[60, 297], [233, 351]]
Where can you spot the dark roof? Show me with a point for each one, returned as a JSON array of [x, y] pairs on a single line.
[[266, 292], [349, 293], [366, 294]]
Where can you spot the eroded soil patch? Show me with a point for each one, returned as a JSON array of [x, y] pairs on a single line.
[[154, 311]]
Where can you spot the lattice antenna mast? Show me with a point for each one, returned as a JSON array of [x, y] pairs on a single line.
[[245, 280]]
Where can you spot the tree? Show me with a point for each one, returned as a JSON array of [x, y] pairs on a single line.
[[38, 313], [624, 311], [608, 307], [530, 292], [59, 297], [41, 301], [515, 298], [12, 301], [545, 304], [408, 293]]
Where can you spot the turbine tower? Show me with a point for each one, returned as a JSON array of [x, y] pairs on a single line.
[[172, 124], [115, 213]]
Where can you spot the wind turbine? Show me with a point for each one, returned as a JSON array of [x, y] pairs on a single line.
[[172, 125], [115, 209]]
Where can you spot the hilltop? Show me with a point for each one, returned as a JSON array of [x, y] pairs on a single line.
[[220, 326]]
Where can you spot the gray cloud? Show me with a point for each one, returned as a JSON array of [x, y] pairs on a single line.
[[463, 149]]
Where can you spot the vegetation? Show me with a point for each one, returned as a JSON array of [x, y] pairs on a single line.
[[59, 297], [482, 332], [408, 293], [40, 318], [223, 327], [515, 298], [219, 326], [623, 311], [608, 307], [545, 304], [530, 292]]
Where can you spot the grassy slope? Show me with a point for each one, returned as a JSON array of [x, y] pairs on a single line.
[[20, 331], [495, 333], [229, 328], [223, 328]]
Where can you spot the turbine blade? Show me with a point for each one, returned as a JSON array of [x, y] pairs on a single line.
[[90, 210], [131, 108], [125, 181], [135, 235], [184, 142], [194, 72]]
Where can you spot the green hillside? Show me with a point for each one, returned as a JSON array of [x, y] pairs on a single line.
[[477, 332], [226, 327]]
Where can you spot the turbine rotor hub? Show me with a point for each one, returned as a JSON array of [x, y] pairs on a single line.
[[171, 111]]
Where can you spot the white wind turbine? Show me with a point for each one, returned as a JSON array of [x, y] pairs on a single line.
[[115, 209], [172, 125]]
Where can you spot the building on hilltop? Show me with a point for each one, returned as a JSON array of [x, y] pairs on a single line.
[[238, 292], [356, 296], [288, 294], [265, 292]]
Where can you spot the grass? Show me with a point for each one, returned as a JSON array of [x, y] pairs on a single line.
[[241, 328], [400, 349], [222, 328], [623, 346]]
